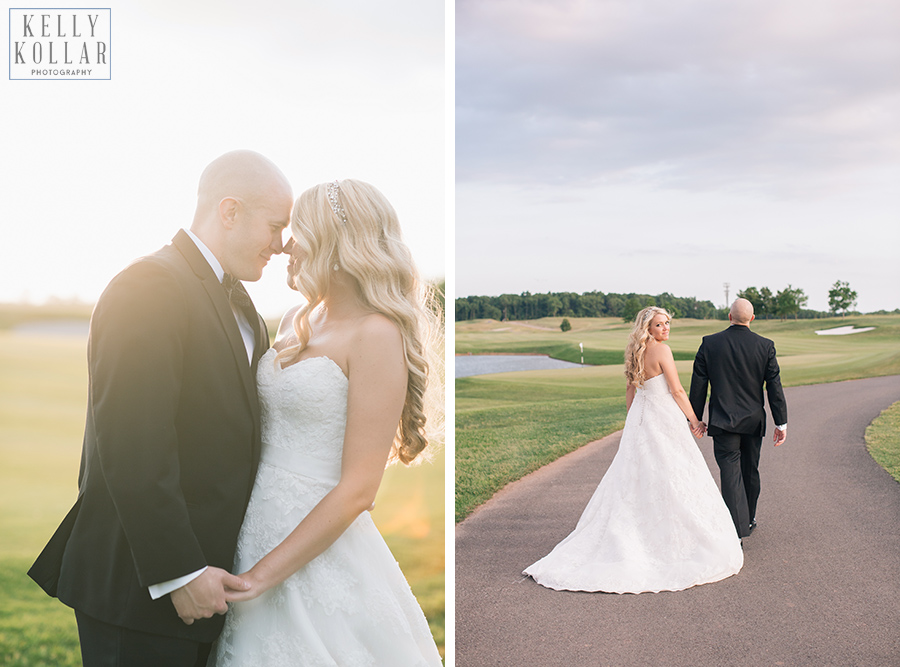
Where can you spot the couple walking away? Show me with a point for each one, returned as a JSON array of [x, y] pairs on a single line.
[[657, 522], [207, 452]]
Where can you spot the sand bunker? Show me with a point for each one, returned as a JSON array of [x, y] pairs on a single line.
[[842, 331]]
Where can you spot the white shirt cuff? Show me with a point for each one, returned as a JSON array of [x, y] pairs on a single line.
[[782, 428], [166, 587]]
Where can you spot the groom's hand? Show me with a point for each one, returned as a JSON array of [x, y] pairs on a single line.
[[780, 436], [205, 596]]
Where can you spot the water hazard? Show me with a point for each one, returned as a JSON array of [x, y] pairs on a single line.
[[484, 364]]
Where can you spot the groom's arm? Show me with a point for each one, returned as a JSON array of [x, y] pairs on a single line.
[[135, 354], [774, 391], [159, 590], [699, 382]]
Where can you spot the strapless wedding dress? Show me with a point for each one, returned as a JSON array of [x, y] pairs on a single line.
[[657, 521], [349, 606]]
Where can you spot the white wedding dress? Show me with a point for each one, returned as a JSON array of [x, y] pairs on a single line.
[[657, 521], [349, 606]]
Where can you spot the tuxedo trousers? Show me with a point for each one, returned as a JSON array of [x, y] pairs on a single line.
[[738, 457], [105, 645]]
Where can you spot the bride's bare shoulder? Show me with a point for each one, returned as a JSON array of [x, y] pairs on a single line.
[[379, 327], [657, 349], [378, 334]]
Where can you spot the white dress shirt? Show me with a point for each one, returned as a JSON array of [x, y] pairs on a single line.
[[243, 324]]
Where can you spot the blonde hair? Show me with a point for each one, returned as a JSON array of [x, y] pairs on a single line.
[[361, 234], [637, 344]]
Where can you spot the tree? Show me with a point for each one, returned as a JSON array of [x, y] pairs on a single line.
[[490, 312], [752, 295], [592, 304], [631, 309], [506, 302], [760, 298], [841, 297], [615, 305], [801, 299], [789, 301], [565, 325], [669, 303], [766, 302]]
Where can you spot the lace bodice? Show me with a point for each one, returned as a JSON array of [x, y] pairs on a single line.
[[303, 414]]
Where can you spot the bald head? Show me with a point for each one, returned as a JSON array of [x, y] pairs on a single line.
[[243, 205], [243, 175], [741, 312]]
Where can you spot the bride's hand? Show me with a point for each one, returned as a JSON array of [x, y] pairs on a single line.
[[256, 589]]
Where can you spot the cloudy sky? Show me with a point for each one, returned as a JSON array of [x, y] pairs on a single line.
[[658, 147], [96, 173]]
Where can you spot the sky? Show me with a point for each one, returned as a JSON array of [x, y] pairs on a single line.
[[97, 173], [655, 147]]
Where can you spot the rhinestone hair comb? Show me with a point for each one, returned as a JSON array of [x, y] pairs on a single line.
[[333, 190]]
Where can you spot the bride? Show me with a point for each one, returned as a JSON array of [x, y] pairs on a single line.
[[657, 521], [342, 395]]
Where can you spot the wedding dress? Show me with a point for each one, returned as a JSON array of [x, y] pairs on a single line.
[[349, 606], [657, 521]]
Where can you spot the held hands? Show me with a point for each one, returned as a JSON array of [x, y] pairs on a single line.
[[698, 429], [255, 588], [206, 595]]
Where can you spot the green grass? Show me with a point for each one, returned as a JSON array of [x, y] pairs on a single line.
[[510, 424], [43, 394], [34, 630], [883, 440]]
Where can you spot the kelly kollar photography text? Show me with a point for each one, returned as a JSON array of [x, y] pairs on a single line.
[[45, 42]]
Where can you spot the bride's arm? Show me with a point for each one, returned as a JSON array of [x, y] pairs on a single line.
[[629, 396], [378, 377], [667, 363]]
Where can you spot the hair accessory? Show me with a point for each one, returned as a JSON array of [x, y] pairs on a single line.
[[333, 190], [337, 267]]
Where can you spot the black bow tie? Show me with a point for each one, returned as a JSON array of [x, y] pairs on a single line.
[[236, 293]]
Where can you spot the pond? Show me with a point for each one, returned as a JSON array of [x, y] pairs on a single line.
[[484, 364], [77, 328]]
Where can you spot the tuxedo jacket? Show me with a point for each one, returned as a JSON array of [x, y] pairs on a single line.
[[171, 445], [735, 364]]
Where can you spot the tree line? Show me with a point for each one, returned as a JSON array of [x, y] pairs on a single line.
[[788, 302], [528, 306]]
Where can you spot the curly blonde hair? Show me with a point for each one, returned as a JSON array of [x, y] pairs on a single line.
[[637, 344], [361, 234]]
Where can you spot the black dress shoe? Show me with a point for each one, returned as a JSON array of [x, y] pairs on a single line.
[[753, 525]]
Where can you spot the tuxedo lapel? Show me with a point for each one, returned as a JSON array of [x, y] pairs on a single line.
[[222, 307], [261, 332]]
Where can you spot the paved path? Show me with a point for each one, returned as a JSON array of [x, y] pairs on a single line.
[[821, 577]]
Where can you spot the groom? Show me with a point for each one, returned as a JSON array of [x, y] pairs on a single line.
[[735, 364], [171, 441]]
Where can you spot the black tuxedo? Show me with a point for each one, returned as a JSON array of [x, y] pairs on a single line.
[[735, 364], [170, 449]]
